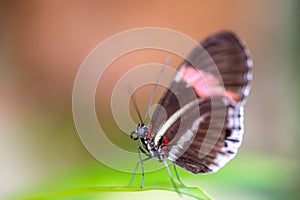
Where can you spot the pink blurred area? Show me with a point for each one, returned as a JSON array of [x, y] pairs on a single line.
[[43, 44]]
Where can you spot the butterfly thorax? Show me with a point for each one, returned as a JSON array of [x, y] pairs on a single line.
[[148, 145]]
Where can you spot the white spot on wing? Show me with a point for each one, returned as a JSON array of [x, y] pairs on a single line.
[[172, 155], [184, 141], [186, 137], [249, 62], [177, 77], [221, 160], [246, 90], [248, 76], [232, 145], [196, 123]]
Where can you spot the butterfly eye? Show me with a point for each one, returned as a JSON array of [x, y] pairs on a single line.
[[134, 135]]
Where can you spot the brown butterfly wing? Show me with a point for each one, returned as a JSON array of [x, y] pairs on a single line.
[[212, 143], [207, 134]]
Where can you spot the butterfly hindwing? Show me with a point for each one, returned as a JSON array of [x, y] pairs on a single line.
[[212, 143]]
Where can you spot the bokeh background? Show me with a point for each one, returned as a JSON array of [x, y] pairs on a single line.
[[43, 44]]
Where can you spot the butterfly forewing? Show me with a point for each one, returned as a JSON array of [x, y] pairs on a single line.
[[226, 51], [199, 123]]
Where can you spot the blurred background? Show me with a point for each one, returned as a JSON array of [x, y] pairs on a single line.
[[43, 44]]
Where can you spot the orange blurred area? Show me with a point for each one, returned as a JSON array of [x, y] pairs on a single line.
[[43, 44]]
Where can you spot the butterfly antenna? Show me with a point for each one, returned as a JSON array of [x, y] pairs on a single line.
[[136, 108], [167, 60]]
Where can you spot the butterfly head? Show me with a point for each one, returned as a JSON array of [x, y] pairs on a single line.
[[140, 132]]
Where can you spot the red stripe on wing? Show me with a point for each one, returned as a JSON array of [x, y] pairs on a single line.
[[149, 131], [206, 84]]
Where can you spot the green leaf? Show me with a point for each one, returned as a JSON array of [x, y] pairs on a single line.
[[245, 174], [194, 192]]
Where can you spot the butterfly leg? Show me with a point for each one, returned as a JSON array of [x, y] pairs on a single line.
[[171, 177], [177, 175], [141, 161]]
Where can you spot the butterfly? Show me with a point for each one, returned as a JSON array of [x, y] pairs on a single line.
[[199, 123]]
